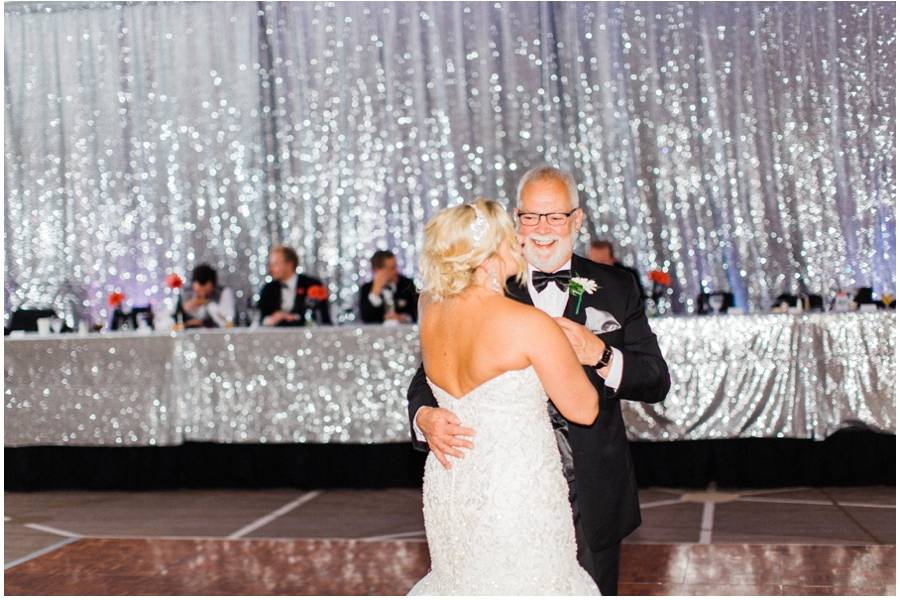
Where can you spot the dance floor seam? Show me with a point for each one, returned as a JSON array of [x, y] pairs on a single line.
[[850, 516]]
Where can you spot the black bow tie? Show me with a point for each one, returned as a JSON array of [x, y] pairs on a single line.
[[561, 278]]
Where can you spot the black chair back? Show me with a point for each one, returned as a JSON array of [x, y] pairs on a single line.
[[25, 319]]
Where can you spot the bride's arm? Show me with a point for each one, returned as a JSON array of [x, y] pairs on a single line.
[[559, 370]]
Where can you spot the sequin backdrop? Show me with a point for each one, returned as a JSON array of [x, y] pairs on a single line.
[[739, 146]]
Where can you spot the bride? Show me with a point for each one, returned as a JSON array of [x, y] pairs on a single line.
[[498, 522]]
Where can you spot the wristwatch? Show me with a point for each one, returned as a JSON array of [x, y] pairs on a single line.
[[604, 358]]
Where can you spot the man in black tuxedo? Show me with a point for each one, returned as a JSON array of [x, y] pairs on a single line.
[[284, 301], [611, 337], [389, 296], [601, 251]]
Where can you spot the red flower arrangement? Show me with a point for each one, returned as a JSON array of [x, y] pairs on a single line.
[[174, 281], [660, 278], [317, 293], [115, 299]]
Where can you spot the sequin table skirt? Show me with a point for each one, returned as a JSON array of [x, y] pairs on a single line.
[[796, 376]]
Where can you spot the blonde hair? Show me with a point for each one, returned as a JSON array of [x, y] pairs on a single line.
[[454, 248]]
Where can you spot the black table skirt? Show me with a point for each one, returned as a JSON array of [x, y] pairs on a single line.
[[846, 458]]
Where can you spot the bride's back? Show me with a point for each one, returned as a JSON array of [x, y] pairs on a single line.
[[469, 339]]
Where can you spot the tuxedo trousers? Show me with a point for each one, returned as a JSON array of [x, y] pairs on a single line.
[[602, 565]]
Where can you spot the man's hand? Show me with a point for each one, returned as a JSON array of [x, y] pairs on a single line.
[[380, 278], [443, 433], [195, 303], [281, 315], [587, 346]]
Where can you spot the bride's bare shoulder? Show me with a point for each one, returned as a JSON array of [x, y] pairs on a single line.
[[522, 318]]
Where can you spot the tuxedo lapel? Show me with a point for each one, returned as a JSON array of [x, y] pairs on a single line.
[[580, 268], [517, 291], [295, 307], [572, 302], [569, 313]]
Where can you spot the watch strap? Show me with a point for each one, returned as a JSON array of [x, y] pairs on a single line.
[[605, 358]]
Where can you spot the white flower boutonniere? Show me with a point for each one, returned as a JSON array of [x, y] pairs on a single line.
[[579, 286]]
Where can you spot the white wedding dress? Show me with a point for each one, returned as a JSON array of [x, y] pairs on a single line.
[[499, 521]]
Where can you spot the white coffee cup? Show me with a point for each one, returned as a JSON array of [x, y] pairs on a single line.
[[43, 326]]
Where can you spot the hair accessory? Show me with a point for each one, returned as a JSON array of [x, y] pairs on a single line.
[[479, 226]]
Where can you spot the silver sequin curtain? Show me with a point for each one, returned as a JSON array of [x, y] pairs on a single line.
[[739, 146]]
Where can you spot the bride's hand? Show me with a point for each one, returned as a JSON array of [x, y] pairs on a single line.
[[443, 433]]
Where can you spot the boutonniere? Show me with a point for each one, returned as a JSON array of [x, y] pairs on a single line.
[[579, 286], [301, 291]]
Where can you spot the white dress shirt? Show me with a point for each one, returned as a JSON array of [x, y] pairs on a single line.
[[552, 301], [221, 311]]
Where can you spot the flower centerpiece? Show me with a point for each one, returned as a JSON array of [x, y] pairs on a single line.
[[168, 317], [662, 282], [173, 281], [115, 299], [314, 294]]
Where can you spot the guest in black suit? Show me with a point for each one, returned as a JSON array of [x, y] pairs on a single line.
[[389, 296], [602, 251], [284, 301], [613, 340]]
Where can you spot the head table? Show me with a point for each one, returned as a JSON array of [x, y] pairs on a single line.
[[737, 376]]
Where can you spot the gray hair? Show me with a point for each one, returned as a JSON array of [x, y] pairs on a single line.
[[541, 172]]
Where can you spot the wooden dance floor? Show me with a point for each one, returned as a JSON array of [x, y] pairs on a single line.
[[828, 541], [357, 567]]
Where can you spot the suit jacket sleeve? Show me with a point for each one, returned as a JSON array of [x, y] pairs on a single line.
[[418, 395], [368, 311], [640, 285], [645, 375], [413, 302], [269, 299]]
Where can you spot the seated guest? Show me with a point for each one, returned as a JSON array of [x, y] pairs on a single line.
[[601, 251], [389, 296], [807, 301], [864, 296], [284, 301], [206, 304], [704, 306]]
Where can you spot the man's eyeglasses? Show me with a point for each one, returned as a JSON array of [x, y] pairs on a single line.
[[554, 218]]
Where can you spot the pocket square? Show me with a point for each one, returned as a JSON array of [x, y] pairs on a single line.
[[600, 321]]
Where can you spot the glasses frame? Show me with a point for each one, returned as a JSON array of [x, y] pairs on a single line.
[[568, 215]]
